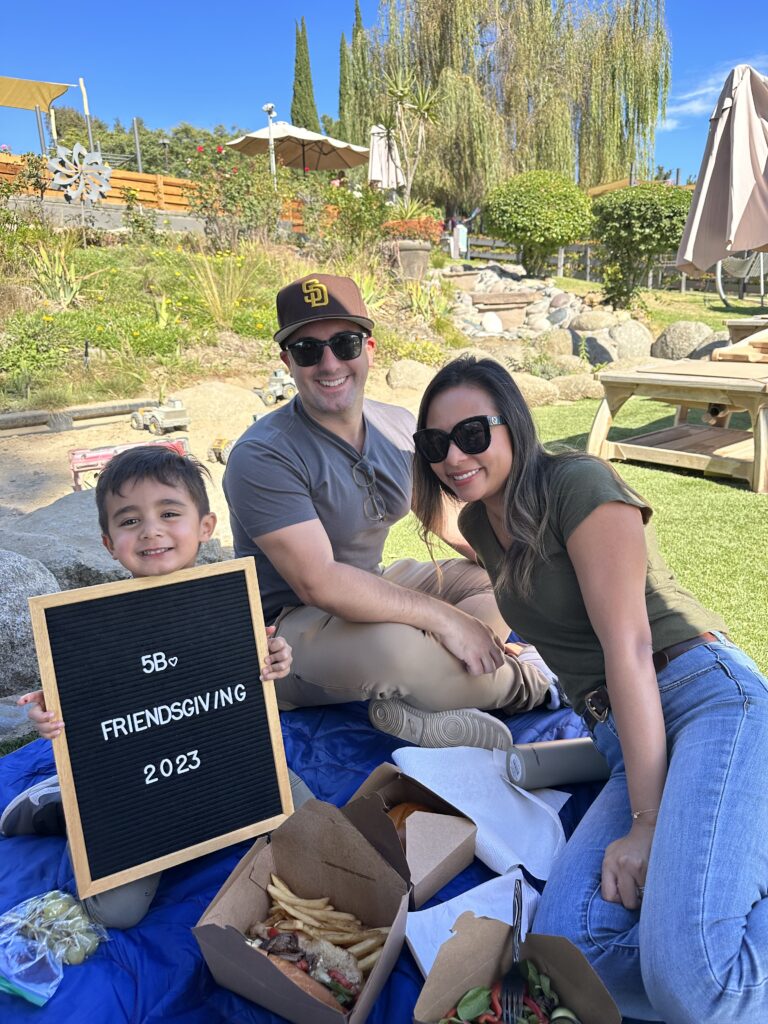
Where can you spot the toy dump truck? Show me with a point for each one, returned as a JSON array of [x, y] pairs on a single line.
[[279, 385], [220, 449], [161, 419]]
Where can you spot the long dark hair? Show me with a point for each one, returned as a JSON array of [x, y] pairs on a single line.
[[526, 495]]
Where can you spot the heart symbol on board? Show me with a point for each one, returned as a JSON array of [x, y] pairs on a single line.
[[173, 662]]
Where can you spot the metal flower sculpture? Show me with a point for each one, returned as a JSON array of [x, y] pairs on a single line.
[[82, 175]]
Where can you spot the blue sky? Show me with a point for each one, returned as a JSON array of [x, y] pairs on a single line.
[[172, 61]]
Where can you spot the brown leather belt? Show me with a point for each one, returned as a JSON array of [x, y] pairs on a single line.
[[598, 703]]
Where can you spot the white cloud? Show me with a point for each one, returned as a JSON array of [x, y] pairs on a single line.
[[701, 98], [668, 124]]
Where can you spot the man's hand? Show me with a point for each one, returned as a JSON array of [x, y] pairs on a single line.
[[39, 716], [625, 865], [277, 663], [471, 641]]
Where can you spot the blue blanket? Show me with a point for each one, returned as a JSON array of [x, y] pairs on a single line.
[[155, 971]]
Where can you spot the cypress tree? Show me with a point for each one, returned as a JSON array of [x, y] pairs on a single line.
[[303, 107], [359, 114], [344, 97]]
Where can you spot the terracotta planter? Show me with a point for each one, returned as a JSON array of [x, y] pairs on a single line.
[[413, 258]]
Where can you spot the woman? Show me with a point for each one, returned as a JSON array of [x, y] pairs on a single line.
[[663, 884]]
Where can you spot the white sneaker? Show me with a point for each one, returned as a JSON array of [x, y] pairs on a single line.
[[465, 727], [36, 811]]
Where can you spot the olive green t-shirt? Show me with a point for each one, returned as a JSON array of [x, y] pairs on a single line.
[[554, 617]]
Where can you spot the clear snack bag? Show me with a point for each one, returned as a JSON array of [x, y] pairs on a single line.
[[38, 937]]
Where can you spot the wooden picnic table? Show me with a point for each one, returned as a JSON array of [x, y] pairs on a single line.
[[721, 388]]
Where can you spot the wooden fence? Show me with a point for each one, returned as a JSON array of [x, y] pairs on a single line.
[[158, 191]]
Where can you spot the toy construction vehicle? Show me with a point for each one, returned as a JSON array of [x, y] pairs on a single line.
[[279, 385], [160, 419], [220, 449], [85, 464]]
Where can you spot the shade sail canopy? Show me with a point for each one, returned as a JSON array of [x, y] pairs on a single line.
[[729, 211], [384, 167], [27, 94], [299, 147]]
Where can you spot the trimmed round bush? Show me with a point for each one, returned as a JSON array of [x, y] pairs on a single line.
[[538, 211], [635, 227]]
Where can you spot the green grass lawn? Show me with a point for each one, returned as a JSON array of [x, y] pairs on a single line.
[[713, 532]]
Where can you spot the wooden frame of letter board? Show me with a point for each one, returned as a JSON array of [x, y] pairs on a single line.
[[86, 884]]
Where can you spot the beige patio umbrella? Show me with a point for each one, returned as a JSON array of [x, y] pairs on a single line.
[[729, 211], [384, 167], [299, 147]]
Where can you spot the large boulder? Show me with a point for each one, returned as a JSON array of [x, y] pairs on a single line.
[[680, 339], [535, 390], [66, 538], [593, 320], [20, 579], [492, 323], [555, 343], [720, 339], [599, 346], [409, 373], [632, 340], [576, 386]]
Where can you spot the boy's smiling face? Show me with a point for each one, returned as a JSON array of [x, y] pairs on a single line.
[[155, 528]]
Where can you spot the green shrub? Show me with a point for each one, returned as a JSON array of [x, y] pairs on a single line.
[[538, 211], [635, 227], [391, 347], [357, 222]]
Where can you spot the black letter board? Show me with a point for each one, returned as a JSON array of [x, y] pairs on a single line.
[[172, 745]]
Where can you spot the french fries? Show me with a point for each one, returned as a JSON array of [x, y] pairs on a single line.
[[318, 919]]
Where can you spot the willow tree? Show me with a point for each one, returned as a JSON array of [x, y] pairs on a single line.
[[624, 55], [466, 153]]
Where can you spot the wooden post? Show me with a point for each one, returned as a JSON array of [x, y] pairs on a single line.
[[587, 261], [159, 191]]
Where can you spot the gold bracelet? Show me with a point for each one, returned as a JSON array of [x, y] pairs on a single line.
[[639, 814]]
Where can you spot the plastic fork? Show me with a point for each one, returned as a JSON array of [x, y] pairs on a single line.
[[513, 984]]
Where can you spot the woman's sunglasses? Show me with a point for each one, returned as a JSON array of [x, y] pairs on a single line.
[[345, 345], [472, 436]]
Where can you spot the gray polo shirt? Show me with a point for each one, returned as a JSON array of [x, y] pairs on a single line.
[[287, 469]]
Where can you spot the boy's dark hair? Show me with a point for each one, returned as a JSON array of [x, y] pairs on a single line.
[[152, 462]]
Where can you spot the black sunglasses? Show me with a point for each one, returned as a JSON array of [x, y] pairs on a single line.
[[345, 345], [472, 436]]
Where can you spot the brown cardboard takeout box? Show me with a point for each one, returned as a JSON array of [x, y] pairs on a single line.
[[438, 845], [317, 852], [480, 951]]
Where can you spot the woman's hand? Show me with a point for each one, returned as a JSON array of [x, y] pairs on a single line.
[[39, 715], [625, 865]]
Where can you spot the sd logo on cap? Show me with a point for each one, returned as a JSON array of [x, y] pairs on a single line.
[[319, 297]]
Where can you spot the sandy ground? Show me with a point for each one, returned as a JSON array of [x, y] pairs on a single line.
[[34, 467]]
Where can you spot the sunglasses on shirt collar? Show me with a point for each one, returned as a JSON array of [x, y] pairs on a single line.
[[472, 436], [345, 345]]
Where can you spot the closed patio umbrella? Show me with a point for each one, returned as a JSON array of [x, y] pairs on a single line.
[[729, 211], [384, 167], [299, 147]]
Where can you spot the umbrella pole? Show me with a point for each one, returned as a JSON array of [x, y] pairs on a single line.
[[303, 160]]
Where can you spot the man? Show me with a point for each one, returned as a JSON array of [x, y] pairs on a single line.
[[313, 490]]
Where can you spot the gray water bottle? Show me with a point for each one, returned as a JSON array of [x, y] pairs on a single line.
[[555, 763]]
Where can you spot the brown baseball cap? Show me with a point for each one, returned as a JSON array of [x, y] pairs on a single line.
[[319, 297]]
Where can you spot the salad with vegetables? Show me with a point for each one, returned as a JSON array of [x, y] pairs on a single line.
[[541, 1003]]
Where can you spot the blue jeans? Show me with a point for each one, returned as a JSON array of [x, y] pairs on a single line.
[[697, 950]]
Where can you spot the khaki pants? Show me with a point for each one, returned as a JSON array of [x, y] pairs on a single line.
[[336, 661]]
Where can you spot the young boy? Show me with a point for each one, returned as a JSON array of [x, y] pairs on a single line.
[[154, 514]]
